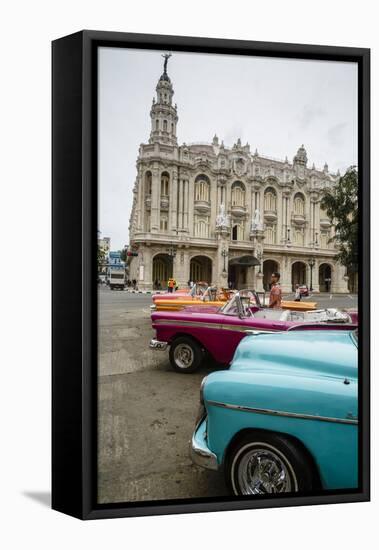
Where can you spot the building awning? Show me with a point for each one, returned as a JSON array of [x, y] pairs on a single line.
[[246, 261]]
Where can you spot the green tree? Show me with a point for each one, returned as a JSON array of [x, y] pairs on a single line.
[[341, 205], [123, 255]]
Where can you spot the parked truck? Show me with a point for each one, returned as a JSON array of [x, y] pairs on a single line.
[[116, 278]]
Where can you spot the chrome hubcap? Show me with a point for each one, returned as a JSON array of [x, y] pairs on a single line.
[[183, 356], [262, 471]]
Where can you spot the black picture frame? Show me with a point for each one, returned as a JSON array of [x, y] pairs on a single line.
[[74, 332]]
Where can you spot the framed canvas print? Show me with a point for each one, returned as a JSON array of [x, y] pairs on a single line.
[[210, 274]]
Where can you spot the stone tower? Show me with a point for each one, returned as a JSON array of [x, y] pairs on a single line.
[[163, 113]]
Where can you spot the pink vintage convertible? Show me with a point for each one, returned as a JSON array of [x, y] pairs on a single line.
[[194, 332]]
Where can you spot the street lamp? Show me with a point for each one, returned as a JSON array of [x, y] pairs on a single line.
[[224, 254], [171, 251], [311, 263]]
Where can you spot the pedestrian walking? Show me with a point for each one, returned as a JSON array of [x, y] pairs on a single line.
[[275, 301], [171, 285]]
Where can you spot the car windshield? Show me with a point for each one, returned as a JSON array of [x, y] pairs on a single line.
[[241, 303]]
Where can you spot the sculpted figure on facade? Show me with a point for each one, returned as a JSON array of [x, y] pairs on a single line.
[[222, 219], [256, 222]]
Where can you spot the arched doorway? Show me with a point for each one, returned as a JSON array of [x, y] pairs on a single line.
[[201, 269], [299, 274], [269, 266], [325, 277], [162, 270]]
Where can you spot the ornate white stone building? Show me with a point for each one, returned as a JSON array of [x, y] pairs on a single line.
[[204, 211]]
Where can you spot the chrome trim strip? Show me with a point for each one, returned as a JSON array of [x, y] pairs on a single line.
[[329, 324], [282, 413], [183, 323], [219, 326], [202, 456]]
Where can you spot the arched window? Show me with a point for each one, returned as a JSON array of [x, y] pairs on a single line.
[[165, 181], [148, 178], [172, 128], [202, 189], [270, 199], [202, 226], [238, 194], [157, 124], [165, 125], [299, 204], [238, 232], [270, 234], [163, 223]]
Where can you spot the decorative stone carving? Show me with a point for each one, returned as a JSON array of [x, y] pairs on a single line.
[[222, 219], [239, 166], [256, 222]]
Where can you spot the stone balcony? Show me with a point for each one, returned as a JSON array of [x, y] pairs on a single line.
[[238, 210], [325, 223], [270, 215], [203, 207], [298, 219]]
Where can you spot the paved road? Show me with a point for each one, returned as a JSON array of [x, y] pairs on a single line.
[[147, 411]]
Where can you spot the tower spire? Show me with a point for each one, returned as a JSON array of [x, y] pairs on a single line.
[[166, 57], [163, 113]]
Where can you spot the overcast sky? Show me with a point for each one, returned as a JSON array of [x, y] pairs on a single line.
[[274, 104]]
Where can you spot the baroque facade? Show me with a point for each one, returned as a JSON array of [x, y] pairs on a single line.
[[204, 211]]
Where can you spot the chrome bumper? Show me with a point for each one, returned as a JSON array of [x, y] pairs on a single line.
[[156, 344], [199, 452]]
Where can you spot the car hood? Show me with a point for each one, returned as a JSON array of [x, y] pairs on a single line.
[[305, 373], [305, 353]]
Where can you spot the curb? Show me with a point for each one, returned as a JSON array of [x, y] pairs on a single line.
[[140, 291]]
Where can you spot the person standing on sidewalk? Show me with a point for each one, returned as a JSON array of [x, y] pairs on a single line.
[[297, 293], [275, 292], [170, 284]]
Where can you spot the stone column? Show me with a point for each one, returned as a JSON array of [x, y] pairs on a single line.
[[155, 200], [285, 274], [145, 271], [180, 209], [340, 280], [191, 192], [315, 276], [185, 209], [259, 281], [214, 206], [174, 200], [139, 195], [279, 221], [219, 276], [317, 223]]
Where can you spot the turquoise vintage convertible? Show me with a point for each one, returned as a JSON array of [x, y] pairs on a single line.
[[283, 417]]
